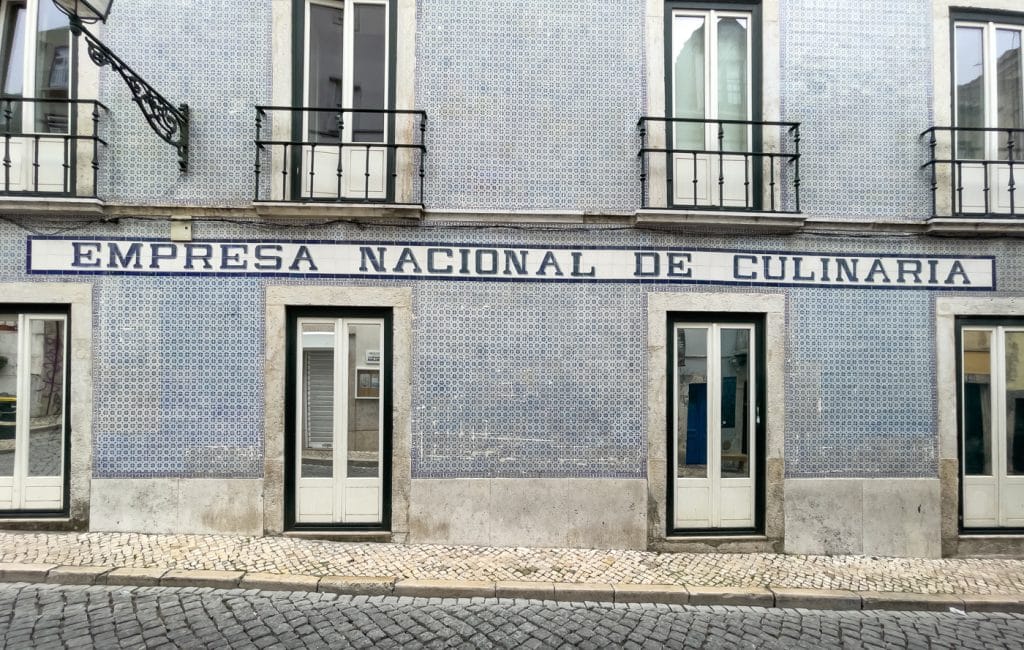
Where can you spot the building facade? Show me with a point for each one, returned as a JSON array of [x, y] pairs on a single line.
[[655, 274]]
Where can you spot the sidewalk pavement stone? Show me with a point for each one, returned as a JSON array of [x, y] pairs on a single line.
[[444, 588], [1012, 604], [357, 585], [29, 572], [135, 576], [749, 596], [910, 602], [664, 594], [78, 575], [200, 578], [795, 598], [570, 592], [279, 582], [524, 589]]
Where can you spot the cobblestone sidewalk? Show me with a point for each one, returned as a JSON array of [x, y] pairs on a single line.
[[321, 558]]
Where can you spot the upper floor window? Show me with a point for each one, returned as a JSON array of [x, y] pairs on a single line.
[[986, 138], [717, 154], [347, 142], [43, 150]]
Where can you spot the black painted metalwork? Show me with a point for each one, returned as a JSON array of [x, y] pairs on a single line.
[[63, 133], [168, 121], [946, 168], [755, 159], [295, 160]]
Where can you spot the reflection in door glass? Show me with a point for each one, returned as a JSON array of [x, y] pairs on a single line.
[[1014, 403], [46, 397], [53, 62], [317, 341], [970, 92], [326, 29], [8, 390], [1009, 86], [369, 72], [977, 402], [692, 402], [364, 400], [688, 80], [732, 81], [735, 403]]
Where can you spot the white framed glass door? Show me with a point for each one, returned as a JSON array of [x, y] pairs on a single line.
[[35, 76], [992, 425], [714, 426], [711, 80], [339, 416], [346, 72], [33, 423], [988, 93]]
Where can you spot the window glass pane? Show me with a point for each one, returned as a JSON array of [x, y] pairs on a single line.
[[977, 402], [970, 91], [53, 63], [733, 95], [364, 400], [735, 406], [688, 80], [46, 397], [326, 25], [1014, 403], [317, 341], [369, 72], [13, 70], [692, 402], [8, 390], [1009, 102]]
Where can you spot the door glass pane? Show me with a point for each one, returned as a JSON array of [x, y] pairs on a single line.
[[735, 406], [364, 400], [326, 25], [13, 70], [970, 92], [1009, 101], [8, 390], [688, 80], [732, 81], [46, 397], [977, 402], [1014, 403], [692, 402], [53, 61], [369, 72], [317, 427]]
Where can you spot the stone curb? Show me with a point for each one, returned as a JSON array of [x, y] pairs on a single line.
[[778, 597]]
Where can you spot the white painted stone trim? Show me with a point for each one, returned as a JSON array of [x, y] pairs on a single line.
[[79, 297], [399, 300], [773, 306]]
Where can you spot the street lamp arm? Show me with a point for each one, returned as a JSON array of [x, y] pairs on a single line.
[[167, 121]]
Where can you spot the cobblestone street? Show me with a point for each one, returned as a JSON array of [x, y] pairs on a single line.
[[50, 616]]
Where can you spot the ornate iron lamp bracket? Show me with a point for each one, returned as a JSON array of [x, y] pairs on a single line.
[[168, 121]]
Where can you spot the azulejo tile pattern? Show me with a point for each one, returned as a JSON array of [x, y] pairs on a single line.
[[858, 79], [532, 104], [215, 56]]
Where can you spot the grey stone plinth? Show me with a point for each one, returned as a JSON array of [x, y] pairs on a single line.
[[135, 577], [279, 582], [910, 602], [793, 598], [195, 578], [532, 590], [571, 592], [14, 572], [78, 575], [445, 588]]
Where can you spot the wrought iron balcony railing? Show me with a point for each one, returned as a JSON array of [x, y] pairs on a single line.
[[732, 165], [974, 171], [348, 155], [44, 153]]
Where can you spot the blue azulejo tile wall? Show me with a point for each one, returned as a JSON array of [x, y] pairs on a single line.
[[215, 56], [532, 104], [508, 380], [857, 75]]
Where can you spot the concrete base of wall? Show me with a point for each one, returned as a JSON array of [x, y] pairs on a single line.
[[579, 513], [173, 505], [887, 517]]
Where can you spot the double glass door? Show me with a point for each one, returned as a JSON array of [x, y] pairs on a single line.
[[715, 422], [992, 425], [339, 415], [33, 386]]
